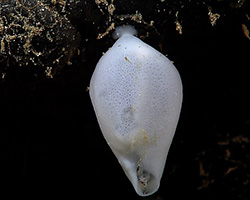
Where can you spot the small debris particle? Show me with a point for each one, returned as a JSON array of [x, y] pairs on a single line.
[[230, 169], [137, 17], [111, 8], [212, 16], [247, 17], [101, 35], [205, 183], [240, 139], [223, 143], [3, 75], [228, 153], [245, 31], [128, 60], [177, 24], [48, 72], [202, 171]]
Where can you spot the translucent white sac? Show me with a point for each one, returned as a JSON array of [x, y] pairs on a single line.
[[137, 94]]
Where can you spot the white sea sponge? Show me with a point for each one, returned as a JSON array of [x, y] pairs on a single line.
[[137, 95]]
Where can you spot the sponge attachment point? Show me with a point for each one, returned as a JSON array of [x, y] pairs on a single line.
[[124, 30]]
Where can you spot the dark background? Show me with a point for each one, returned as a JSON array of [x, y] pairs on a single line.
[[50, 141]]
